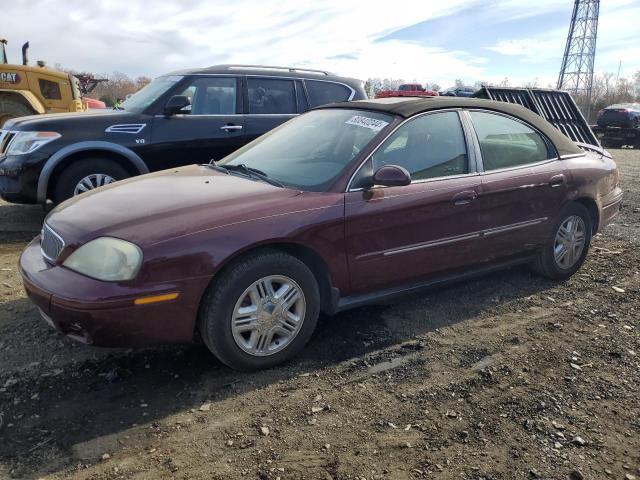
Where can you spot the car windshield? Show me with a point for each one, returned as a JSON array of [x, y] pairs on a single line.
[[311, 151], [140, 100]]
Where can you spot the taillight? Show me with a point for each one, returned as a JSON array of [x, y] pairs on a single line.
[[622, 110]]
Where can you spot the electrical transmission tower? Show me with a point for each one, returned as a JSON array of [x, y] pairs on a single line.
[[576, 73]]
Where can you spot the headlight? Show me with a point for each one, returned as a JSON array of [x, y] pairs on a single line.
[[27, 142], [106, 258]]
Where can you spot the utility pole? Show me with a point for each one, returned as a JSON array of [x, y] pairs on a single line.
[[576, 73]]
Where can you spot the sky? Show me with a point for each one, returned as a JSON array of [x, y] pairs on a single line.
[[425, 41]]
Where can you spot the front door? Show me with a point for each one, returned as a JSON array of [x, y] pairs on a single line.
[[210, 128], [399, 235], [523, 184]]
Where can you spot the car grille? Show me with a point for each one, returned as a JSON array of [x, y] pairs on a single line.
[[5, 139], [51, 244]]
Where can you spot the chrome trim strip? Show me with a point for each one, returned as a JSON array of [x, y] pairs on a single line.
[[574, 155], [513, 226], [133, 128], [519, 167], [454, 239], [52, 231], [433, 243]]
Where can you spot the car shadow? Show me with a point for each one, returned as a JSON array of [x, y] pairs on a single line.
[[58, 394], [19, 223]]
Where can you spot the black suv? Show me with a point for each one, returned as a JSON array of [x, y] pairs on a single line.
[[185, 117]]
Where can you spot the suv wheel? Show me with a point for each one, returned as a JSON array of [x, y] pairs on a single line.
[[261, 312], [86, 174], [567, 247]]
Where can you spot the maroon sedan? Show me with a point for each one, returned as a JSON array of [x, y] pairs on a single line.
[[342, 206]]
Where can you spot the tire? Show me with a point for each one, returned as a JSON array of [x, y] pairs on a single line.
[[65, 186], [12, 109], [546, 264], [225, 295]]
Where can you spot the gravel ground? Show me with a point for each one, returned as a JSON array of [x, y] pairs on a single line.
[[509, 376]]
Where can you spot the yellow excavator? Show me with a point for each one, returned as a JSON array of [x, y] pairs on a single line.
[[32, 90]]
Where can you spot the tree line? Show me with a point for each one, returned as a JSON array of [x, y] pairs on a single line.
[[608, 89]]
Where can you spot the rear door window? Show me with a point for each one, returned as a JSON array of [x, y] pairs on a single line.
[[506, 142], [321, 93], [271, 96]]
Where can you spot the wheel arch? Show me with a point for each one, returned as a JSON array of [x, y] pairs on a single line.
[[592, 207], [312, 259], [24, 97], [124, 156]]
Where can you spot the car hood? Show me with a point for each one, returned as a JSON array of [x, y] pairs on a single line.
[[161, 206], [55, 121]]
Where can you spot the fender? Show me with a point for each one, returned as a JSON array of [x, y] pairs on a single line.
[[60, 155], [27, 97]]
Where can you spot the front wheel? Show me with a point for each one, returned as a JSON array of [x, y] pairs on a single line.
[[86, 174], [568, 244], [260, 312]]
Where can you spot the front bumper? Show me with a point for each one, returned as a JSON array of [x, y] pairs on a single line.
[[104, 313], [19, 176]]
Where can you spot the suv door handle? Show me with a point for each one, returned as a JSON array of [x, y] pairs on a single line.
[[557, 180], [465, 197], [230, 128]]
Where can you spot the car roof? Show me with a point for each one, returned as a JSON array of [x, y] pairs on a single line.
[[407, 107], [268, 71]]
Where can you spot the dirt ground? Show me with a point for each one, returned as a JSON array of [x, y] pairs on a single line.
[[507, 377]]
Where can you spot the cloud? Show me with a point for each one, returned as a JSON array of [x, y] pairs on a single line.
[[348, 37]]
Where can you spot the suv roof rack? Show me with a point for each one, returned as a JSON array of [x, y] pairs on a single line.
[[555, 106], [274, 68]]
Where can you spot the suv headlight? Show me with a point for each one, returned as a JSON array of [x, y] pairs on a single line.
[[27, 142], [106, 258]]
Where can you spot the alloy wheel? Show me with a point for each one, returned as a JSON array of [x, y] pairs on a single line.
[[92, 181], [569, 242], [268, 315]]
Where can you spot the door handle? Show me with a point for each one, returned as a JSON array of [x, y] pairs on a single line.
[[231, 128], [464, 198], [557, 180]]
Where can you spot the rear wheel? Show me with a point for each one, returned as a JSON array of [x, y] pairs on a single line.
[[568, 244], [86, 174], [12, 109], [260, 312]]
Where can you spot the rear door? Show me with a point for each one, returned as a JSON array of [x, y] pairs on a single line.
[[397, 235], [524, 183], [270, 102], [210, 128]]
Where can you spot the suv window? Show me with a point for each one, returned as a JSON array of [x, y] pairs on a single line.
[[271, 96], [429, 146], [321, 93], [212, 96], [50, 90], [505, 142]]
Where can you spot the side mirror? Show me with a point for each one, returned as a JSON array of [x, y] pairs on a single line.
[[392, 176], [176, 104]]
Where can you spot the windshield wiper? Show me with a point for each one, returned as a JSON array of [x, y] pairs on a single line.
[[249, 171]]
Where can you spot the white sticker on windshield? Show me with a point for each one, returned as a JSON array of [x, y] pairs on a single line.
[[366, 122]]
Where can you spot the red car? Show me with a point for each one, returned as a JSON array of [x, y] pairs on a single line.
[[339, 207], [408, 90]]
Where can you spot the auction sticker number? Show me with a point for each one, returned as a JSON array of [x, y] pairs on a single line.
[[366, 122]]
